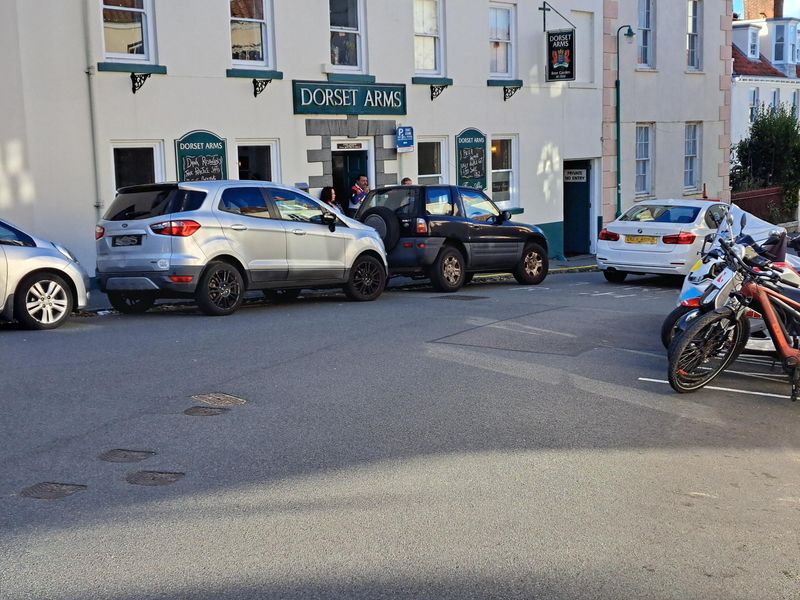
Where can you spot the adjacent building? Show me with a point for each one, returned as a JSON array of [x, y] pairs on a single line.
[[513, 97]]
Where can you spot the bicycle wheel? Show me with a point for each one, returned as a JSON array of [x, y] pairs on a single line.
[[708, 346]]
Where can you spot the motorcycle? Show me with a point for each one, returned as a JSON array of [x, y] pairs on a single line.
[[713, 340], [690, 306]]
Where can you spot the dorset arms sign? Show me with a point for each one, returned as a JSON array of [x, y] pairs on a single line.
[[561, 55], [201, 157], [325, 98]]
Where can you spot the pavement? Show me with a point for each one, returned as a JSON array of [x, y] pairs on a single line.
[[506, 441]]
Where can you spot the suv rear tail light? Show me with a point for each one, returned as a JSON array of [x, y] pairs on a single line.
[[175, 228], [682, 238], [422, 227], [99, 232], [608, 236]]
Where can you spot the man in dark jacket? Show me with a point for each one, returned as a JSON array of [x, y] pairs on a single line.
[[357, 194]]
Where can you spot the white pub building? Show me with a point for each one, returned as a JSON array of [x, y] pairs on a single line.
[[513, 96]]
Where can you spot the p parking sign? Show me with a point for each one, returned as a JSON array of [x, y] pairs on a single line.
[[405, 139]]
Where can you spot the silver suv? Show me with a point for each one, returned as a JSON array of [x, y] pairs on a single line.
[[214, 240], [41, 283]]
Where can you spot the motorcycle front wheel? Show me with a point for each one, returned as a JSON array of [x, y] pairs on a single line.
[[708, 346]]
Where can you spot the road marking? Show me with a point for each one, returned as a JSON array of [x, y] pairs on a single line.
[[529, 288], [723, 389], [581, 283], [533, 330]]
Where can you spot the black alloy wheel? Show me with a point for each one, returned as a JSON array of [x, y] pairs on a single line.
[[131, 304], [221, 289], [367, 279]]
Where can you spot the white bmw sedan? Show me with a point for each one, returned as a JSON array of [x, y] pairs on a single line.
[[657, 236]]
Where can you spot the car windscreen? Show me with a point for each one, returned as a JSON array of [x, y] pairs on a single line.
[[144, 204], [401, 200], [11, 236], [658, 213]]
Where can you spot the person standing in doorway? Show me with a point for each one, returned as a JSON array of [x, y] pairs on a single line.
[[358, 193]]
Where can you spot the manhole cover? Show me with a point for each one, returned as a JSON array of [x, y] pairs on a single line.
[[460, 297], [153, 478], [204, 411], [119, 455], [51, 491], [219, 399]]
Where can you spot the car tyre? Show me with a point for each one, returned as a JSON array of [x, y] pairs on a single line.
[[385, 222], [131, 304], [367, 279], [220, 290], [279, 296], [614, 276], [447, 273], [42, 301], [533, 266]]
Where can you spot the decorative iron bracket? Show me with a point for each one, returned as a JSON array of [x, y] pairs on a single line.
[[510, 90], [137, 80], [436, 91], [259, 85], [546, 7]]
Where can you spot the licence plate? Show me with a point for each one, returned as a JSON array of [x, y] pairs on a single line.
[[641, 239], [723, 278], [126, 240]]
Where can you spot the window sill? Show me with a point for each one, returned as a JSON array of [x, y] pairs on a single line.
[[694, 72], [254, 73], [430, 80], [504, 82], [646, 69], [350, 78], [121, 67], [694, 192]]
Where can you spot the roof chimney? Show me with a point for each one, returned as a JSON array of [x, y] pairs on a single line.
[[763, 9]]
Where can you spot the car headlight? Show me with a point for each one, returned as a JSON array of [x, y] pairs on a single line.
[[69, 255]]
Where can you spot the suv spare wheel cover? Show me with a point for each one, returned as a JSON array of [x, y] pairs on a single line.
[[385, 222]]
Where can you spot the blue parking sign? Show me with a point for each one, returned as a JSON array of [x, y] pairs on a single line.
[[405, 139]]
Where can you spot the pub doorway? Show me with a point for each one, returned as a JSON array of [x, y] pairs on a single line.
[[350, 159], [577, 207]]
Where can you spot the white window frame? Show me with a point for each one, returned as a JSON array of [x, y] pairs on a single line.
[[438, 42], [792, 44], [148, 30], [647, 160], [775, 98], [361, 42], [512, 42], [697, 65], [514, 171], [753, 97], [274, 155], [797, 47], [159, 167], [646, 25], [782, 44], [796, 104], [267, 38], [444, 163], [695, 157], [754, 45]]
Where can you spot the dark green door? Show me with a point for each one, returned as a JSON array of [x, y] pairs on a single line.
[[347, 166], [577, 207]]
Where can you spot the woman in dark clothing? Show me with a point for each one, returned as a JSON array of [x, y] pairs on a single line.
[[328, 196]]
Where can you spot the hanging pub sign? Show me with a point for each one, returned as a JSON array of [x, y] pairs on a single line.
[[471, 159], [561, 55], [200, 156]]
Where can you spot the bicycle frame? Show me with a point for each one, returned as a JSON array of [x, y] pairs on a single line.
[[762, 295]]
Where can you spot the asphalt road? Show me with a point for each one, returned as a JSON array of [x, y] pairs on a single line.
[[504, 442]]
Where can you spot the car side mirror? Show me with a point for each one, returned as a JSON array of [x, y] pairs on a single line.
[[329, 219], [505, 216]]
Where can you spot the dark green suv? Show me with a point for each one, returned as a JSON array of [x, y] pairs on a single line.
[[449, 233]]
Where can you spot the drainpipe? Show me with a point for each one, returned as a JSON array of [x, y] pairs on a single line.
[[628, 34], [90, 71]]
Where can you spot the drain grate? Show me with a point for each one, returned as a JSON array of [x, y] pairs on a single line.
[[48, 490], [204, 411], [219, 399], [153, 478], [118, 455], [460, 297]]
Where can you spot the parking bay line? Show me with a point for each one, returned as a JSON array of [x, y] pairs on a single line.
[[724, 389]]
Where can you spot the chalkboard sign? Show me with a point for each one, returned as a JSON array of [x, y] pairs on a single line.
[[471, 157], [201, 157]]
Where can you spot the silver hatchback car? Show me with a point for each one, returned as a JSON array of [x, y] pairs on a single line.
[[41, 283], [214, 240]]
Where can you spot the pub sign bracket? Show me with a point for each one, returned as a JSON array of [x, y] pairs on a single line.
[[436, 91], [546, 7], [259, 85], [137, 81]]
